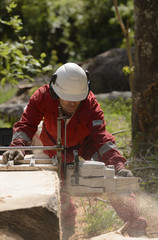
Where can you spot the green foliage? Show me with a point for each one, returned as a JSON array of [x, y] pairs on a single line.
[[5, 124], [76, 30], [127, 70], [99, 217], [117, 114], [16, 61], [126, 11], [6, 94]]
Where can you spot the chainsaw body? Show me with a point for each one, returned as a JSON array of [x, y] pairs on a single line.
[[87, 178]]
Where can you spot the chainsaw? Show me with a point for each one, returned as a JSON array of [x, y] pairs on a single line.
[[82, 177]]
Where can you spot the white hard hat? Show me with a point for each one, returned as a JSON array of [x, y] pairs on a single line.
[[71, 82]]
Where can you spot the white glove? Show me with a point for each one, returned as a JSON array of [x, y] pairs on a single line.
[[124, 173], [12, 155]]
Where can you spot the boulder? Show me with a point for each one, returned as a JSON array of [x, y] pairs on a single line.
[[12, 111], [105, 71]]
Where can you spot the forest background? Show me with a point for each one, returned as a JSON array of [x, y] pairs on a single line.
[[65, 30], [38, 36]]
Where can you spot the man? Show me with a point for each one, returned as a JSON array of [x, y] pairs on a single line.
[[86, 128]]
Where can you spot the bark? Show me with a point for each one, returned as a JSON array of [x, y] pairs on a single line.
[[145, 96]]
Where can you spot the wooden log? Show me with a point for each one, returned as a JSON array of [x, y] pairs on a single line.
[[30, 204]]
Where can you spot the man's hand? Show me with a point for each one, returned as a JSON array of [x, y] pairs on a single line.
[[124, 173], [12, 155]]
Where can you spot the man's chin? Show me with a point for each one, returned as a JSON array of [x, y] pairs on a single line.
[[69, 113]]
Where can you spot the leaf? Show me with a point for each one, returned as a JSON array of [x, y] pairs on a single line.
[[11, 6], [126, 70], [43, 55], [5, 22], [3, 80], [47, 68]]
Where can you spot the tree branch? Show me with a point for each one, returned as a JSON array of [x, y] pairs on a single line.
[[126, 35]]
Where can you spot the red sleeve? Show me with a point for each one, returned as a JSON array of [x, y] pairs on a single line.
[[24, 130], [104, 141]]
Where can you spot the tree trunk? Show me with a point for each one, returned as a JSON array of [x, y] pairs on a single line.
[[145, 96]]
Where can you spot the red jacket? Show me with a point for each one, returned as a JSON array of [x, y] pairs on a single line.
[[86, 130]]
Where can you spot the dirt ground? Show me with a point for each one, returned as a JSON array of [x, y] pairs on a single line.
[[149, 210]]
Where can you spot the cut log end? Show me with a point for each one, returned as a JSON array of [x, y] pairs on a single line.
[[30, 205]]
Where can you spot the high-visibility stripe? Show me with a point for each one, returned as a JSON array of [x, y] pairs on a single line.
[[97, 122], [21, 135], [95, 156], [103, 149], [107, 147]]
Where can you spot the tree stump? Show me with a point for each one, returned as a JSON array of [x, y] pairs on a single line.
[[30, 205]]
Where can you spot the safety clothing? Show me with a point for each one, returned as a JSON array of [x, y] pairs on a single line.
[[71, 83], [85, 130], [12, 155], [124, 173]]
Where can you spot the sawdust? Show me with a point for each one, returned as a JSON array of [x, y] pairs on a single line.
[[78, 232], [148, 207], [7, 235]]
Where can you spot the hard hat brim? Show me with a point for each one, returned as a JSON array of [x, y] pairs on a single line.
[[69, 97]]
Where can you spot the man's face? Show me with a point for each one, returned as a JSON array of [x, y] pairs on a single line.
[[69, 107]]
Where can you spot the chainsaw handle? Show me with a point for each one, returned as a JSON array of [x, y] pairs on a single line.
[[76, 166]]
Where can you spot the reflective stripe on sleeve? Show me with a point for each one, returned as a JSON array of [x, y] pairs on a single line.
[[21, 135], [97, 122], [95, 156], [107, 147]]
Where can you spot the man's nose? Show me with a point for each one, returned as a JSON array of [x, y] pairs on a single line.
[[72, 103]]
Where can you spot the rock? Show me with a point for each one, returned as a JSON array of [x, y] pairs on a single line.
[[13, 111], [106, 73], [23, 88], [113, 95], [117, 236]]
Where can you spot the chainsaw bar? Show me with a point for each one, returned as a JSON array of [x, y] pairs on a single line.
[[30, 163]]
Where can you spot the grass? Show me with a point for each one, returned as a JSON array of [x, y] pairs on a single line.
[[99, 217], [117, 114], [6, 94]]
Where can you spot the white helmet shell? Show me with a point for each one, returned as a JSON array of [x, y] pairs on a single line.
[[71, 83]]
